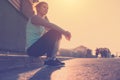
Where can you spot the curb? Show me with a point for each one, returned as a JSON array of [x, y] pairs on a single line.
[[21, 61]]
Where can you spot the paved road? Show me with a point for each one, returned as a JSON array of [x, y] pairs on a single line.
[[75, 69]]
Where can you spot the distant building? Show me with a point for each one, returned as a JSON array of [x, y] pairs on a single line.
[[80, 52]]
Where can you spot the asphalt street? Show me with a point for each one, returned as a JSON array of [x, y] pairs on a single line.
[[75, 69]]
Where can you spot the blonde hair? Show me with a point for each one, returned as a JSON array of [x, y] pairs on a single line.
[[37, 5], [40, 3]]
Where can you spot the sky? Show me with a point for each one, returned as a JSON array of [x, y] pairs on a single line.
[[92, 23]]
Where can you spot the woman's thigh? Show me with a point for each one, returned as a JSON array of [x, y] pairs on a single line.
[[45, 44]]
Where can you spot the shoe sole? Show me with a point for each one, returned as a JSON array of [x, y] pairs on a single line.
[[55, 66]]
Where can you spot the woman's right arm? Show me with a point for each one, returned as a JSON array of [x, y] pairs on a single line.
[[36, 20]]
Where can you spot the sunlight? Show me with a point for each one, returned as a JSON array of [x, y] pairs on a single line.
[[69, 2], [90, 24]]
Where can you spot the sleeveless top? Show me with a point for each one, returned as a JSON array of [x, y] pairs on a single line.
[[33, 33]]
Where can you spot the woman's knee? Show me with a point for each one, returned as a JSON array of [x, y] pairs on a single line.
[[55, 34]]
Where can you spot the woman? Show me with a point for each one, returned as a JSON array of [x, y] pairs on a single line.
[[43, 37]]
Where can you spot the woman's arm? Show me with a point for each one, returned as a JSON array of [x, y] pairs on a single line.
[[27, 8], [36, 20]]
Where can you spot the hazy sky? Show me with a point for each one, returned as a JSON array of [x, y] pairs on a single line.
[[92, 23]]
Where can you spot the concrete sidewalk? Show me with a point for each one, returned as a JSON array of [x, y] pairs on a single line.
[[17, 61], [20, 61]]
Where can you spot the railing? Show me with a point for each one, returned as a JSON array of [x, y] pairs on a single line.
[[16, 4]]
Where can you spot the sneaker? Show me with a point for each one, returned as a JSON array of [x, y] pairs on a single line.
[[58, 61], [53, 62]]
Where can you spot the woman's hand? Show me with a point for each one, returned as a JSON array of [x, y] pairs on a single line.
[[67, 35]]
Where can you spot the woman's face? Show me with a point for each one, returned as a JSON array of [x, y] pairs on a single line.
[[35, 1], [43, 9]]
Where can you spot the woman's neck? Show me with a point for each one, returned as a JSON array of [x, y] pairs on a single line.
[[43, 16]]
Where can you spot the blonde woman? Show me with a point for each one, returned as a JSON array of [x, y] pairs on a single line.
[[43, 37]]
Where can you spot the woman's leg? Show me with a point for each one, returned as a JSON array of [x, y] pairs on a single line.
[[53, 44], [51, 53], [48, 43]]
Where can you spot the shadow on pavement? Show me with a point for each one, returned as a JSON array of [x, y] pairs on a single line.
[[13, 74], [45, 73]]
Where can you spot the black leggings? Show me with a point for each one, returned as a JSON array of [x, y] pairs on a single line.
[[45, 45]]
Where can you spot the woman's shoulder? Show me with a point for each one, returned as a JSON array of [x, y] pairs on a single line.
[[34, 16], [35, 19]]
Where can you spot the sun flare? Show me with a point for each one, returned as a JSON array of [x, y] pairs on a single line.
[[92, 23]]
